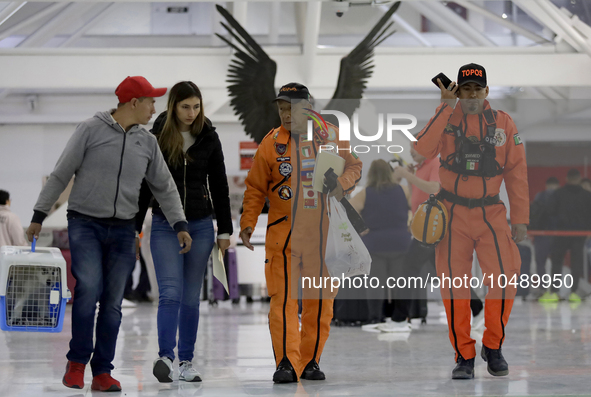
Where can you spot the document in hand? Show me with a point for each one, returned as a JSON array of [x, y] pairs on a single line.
[[324, 161], [219, 271]]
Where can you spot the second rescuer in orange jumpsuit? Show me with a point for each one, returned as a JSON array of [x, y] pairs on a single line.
[[479, 148], [296, 233]]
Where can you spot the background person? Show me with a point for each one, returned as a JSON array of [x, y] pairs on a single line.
[[384, 205], [193, 153], [142, 290], [11, 229], [296, 233], [570, 209], [480, 148], [110, 154], [540, 220]]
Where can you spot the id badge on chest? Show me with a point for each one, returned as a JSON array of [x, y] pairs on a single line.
[[472, 161]]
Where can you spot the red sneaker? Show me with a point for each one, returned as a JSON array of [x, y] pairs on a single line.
[[104, 382], [74, 377]]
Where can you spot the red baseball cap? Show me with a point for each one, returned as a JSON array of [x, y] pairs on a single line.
[[137, 87]]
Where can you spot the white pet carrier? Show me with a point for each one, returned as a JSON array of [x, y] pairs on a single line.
[[33, 289]]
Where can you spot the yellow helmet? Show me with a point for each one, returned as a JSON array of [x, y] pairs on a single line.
[[429, 222]]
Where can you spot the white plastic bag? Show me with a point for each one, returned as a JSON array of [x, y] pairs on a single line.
[[346, 255]]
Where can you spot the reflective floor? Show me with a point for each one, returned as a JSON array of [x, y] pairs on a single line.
[[548, 349]]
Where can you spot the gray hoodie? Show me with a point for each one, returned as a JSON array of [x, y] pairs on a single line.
[[110, 165]]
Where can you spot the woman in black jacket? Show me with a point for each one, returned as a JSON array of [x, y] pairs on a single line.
[[193, 152]]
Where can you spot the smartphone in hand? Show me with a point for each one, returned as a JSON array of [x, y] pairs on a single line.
[[444, 80]]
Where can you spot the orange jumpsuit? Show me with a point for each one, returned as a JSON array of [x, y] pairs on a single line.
[[484, 229], [296, 237]]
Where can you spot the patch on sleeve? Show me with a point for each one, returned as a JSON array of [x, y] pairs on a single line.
[[280, 148], [285, 192], [500, 137], [517, 139]]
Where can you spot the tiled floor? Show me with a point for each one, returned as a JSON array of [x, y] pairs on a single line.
[[548, 349]]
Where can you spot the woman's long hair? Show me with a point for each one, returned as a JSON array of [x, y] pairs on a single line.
[[380, 175], [170, 138]]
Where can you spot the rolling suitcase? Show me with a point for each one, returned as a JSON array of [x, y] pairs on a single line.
[[525, 254], [350, 309], [351, 312], [207, 288]]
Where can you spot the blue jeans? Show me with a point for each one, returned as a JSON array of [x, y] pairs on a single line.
[[103, 256], [179, 281]]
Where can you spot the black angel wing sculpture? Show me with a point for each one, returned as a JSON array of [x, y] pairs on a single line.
[[251, 75]]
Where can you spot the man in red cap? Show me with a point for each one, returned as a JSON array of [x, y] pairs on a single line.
[[110, 154]]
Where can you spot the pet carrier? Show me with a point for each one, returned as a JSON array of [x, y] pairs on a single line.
[[33, 289]]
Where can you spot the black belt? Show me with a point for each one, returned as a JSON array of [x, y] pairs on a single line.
[[467, 202]]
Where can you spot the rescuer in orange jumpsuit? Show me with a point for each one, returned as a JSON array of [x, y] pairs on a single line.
[[479, 148], [296, 232]]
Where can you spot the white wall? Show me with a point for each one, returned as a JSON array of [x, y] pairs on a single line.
[[28, 152]]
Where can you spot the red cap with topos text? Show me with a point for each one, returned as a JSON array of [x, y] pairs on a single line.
[[137, 87], [472, 73]]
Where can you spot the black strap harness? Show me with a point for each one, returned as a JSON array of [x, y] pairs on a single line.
[[468, 202], [474, 157]]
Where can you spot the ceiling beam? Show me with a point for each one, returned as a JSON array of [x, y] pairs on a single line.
[[311, 32], [450, 22], [216, 27], [189, 1], [407, 27], [393, 68], [274, 20], [581, 26], [447, 13], [548, 15], [565, 24], [240, 12], [7, 12], [10, 10], [501, 21], [55, 25], [55, 7], [89, 24], [299, 16], [410, 30]]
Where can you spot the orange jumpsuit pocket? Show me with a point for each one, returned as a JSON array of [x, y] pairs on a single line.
[[270, 277], [515, 257]]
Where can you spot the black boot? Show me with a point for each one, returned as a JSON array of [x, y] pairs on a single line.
[[285, 372], [313, 372], [497, 366], [464, 369]]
